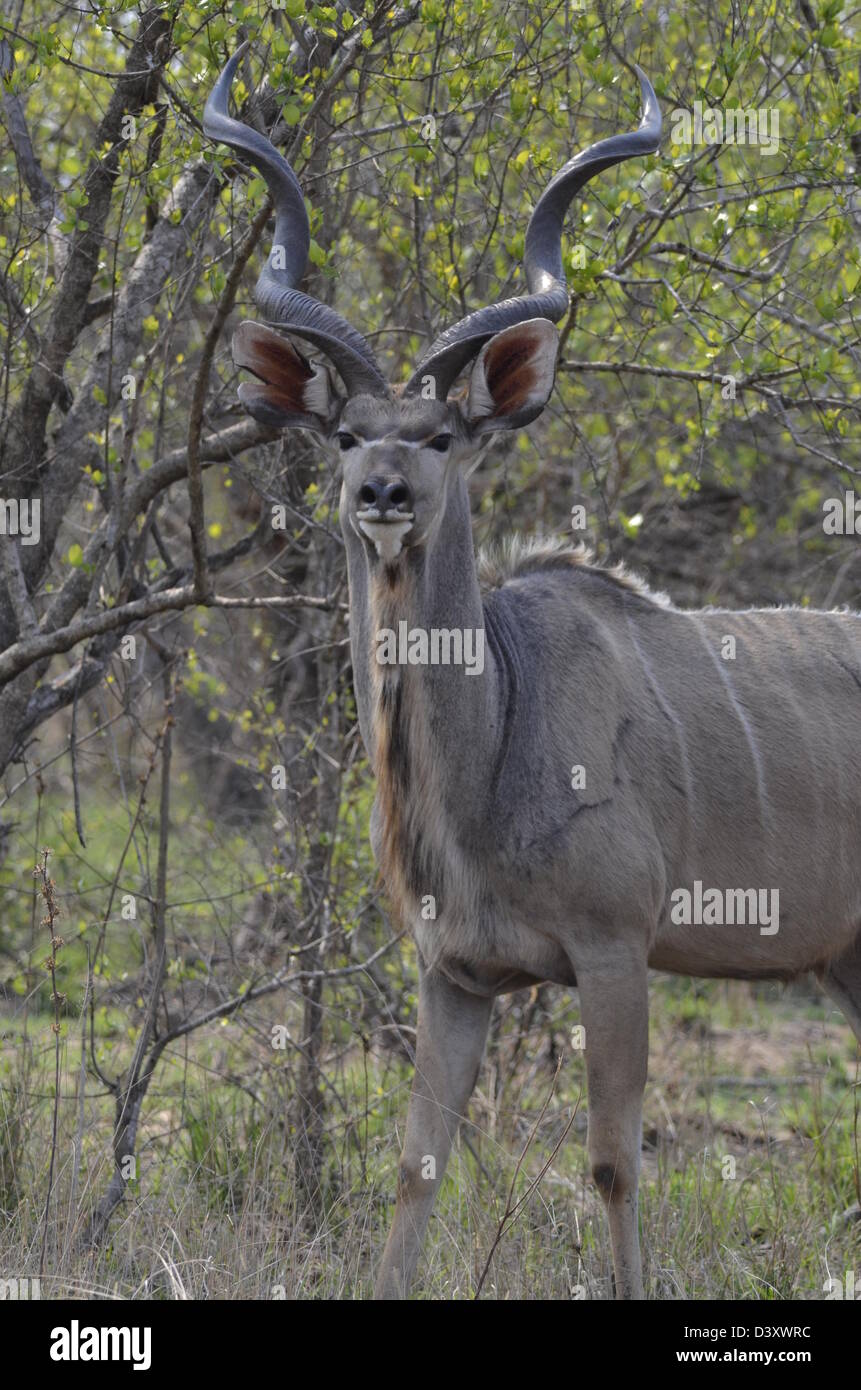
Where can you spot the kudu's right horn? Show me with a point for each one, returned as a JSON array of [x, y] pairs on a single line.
[[276, 294]]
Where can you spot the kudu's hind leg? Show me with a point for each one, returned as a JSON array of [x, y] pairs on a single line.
[[614, 1009], [452, 1029], [842, 982]]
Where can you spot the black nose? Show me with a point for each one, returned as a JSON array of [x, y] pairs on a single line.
[[389, 494]]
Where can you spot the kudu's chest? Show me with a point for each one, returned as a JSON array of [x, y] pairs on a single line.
[[492, 921]]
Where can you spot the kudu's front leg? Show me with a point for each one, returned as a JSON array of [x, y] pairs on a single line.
[[615, 1012], [452, 1029]]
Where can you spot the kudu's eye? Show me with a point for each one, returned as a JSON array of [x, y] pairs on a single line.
[[346, 440], [440, 442]]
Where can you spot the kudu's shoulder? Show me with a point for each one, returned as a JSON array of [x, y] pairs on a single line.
[[554, 601], [517, 559], [575, 570]]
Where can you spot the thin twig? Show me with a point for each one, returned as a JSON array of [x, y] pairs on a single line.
[[513, 1209], [196, 522], [52, 912]]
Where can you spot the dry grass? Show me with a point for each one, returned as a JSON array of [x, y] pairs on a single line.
[[764, 1077]]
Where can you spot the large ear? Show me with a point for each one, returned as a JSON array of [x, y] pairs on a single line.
[[292, 391], [513, 376]]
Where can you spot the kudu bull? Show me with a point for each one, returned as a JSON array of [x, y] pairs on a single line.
[[695, 769]]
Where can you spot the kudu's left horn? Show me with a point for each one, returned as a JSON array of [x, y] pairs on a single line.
[[276, 294], [547, 295]]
